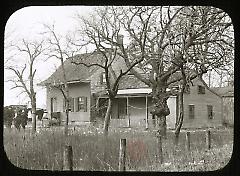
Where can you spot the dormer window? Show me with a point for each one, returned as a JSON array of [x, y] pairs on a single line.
[[201, 89]]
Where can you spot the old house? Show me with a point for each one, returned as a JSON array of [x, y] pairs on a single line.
[[133, 103]]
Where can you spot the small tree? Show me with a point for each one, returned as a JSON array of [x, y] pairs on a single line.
[[60, 50], [21, 80]]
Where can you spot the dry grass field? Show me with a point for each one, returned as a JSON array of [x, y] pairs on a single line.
[[91, 151]]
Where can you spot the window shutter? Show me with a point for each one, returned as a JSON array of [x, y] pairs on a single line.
[[72, 104], [85, 104], [101, 78], [73, 108], [76, 104]]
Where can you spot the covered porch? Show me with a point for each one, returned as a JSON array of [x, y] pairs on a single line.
[[132, 108]]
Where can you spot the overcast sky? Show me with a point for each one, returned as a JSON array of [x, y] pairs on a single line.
[[26, 23]]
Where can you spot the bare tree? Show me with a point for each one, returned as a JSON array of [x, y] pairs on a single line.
[[177, 44], [102, 33], [21, 80], [59, 48]]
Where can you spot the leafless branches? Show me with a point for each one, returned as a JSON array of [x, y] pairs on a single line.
[[24, 77]]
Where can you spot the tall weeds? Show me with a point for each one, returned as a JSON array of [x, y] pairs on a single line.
[[44, 150]]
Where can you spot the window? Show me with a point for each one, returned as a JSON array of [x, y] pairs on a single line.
[[71, 104], [201, 89], [187, 89], [210, 111], [103, 78], [82, 104], [191, 111], [53, 104]]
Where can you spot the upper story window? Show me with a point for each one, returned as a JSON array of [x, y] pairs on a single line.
[[210, 111], [103, 78], [191, 111], [201, 89]]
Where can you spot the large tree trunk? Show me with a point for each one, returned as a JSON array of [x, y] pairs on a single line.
[[33, 104], [107, 116], [160, 109]]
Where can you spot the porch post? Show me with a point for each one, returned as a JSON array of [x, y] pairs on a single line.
[[146, 111], [128, 116]]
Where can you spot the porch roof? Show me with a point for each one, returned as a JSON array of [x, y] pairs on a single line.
[[134, 91], [139, 92]]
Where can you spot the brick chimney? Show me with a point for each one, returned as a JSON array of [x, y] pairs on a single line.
[[120, 39]]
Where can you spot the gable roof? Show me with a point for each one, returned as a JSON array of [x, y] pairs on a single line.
[[74, 72], [224, 91], [81, 73]]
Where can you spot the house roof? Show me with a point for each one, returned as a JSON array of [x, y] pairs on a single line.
[[131, 82], [74, 72], [81, 73], [134, 91], [224, 91]]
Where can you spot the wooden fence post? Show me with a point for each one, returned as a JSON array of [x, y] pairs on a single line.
[[188, 140], [68, 158], [159, 149], [208, 139], [122, 155]]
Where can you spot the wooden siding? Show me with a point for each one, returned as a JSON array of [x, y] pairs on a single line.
[[75, 90], [228, 110], [201, 102]]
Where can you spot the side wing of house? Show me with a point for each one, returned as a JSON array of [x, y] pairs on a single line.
[[202, 108], [79, 102]]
